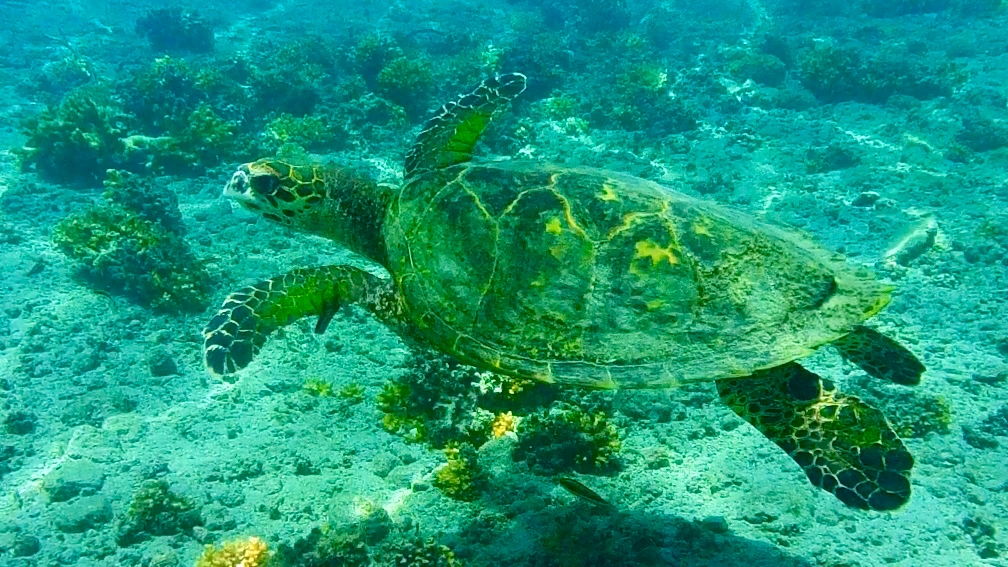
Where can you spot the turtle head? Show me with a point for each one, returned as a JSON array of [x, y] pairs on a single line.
[[278, 191], [319, 199]]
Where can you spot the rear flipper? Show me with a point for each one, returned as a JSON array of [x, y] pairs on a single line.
[[845, 446], [880, 356], [248, 316]]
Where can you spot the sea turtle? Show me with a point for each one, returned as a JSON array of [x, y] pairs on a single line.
[[586, 277]]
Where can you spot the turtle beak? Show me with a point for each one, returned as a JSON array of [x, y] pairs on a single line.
[[242, 190], [239, 186]]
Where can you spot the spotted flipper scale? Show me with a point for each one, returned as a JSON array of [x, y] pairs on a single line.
[[880, 356], [845, 446], [449, 137]]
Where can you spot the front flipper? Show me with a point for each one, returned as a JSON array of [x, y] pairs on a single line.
[[845, 446], [880, 356], [240, 328], [450, 136]]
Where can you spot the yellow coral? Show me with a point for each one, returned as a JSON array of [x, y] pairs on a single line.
[[318, 387], [250, 552], [503, 424]]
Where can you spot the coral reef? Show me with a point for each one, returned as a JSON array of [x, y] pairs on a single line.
[[77, 139], [19, 422], [371, 55], [370, 541], [156, 511], [249, 552], [566, 438], [352, 392], [164, 94], [133, 192], [345, 546], [420, 552], [62, 75], [830, 158], [407, 81], [441, 401], [312, 132], [126, 248], [837, 73], [318, 387], [289, 78], [462, 477]]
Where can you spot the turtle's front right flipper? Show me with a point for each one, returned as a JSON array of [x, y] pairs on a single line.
[[845, 446], [240, 328]]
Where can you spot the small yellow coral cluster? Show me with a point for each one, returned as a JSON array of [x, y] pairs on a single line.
[[503, 424], [250, 552]]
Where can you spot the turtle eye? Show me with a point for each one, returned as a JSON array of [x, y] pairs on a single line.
[[263, 184]]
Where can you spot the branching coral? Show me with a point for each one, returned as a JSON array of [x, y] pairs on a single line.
[[311, 132], [462, 477], [441, 401], [157, 511], [420, 552], [205, 141], [77, 139], [249, 552], [129, 248], [567, 438], [164, 94], [840, 73], [372, 53], [407, 81], [133, 192]]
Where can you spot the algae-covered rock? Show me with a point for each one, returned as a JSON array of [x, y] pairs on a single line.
[[82, 514], [73, 478]]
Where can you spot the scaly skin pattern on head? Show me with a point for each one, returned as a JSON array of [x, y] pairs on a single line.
[[324, 200]]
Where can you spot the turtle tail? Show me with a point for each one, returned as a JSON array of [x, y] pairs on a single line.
[[449, 137], [845, 446], [248, 316]]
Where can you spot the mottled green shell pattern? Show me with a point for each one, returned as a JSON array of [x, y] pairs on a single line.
[[591, 277]]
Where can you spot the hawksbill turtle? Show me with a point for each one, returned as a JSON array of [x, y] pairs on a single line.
[[586, 277]]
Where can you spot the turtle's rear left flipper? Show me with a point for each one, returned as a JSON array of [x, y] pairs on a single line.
[[880, 356], [845, 446]]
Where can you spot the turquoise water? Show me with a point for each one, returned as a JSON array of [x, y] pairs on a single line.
[[878, 130]]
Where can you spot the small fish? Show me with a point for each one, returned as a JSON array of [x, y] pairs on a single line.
[[37, 268], [581, 491], [106, 296]]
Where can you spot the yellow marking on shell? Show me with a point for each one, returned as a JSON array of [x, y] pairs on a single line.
[[510, 206], [631, 219], [657, 254], [701, 229], [553, 226], [540, 281], [608, 192], [569, 213]]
